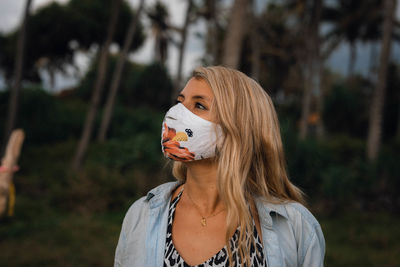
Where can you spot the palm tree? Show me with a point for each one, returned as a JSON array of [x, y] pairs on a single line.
[[235, 33], [313, 63], [255, 40], [188, 20], [18, 67], [375, 117], [351, 18], [158, 16], [116, 78], [209, 11], [99, 84]]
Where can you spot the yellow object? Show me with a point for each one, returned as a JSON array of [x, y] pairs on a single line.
[[180, 136], [11, 199]]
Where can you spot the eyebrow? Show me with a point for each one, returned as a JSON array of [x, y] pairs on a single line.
[[196, 97]]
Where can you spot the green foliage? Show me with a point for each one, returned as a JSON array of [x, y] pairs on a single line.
[[306, 162], [43, 119], [338, 183], [153, 87], [141, 85], [392, 103], [388, 166], [278, 44], [91, 21], [158, 15], [50, 31], [85, 88], [335, 173], [114, 174], [134, 141], [346, 108], [56, 31], [352, 25]]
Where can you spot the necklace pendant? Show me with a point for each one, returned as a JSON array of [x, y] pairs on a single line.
[[203, 222]]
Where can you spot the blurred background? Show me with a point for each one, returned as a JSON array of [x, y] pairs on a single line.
[[89, 82]]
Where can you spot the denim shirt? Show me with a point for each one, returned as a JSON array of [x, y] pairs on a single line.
[[291, 235]]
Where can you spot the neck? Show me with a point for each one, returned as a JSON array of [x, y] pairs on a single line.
[[201, 186]]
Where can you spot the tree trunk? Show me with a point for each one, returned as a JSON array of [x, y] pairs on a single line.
[[306, 101], [255, 48], [235, 33], [182, 45], [320, 129], [352, 60], [313, 66], [372, 62], [52, 79], [398, 120], [96, 95], [160, 47], [212, 33], [15, 90], [116, 79], [376, 110]]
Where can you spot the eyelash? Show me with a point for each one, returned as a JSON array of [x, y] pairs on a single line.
[[202, 107], [197, 104]]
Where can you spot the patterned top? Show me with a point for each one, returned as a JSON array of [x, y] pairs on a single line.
[[221, 258]]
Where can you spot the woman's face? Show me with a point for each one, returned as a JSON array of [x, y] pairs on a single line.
[[197, 96]]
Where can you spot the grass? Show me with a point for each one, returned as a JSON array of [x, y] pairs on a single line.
[[55, 239], [362, 239]]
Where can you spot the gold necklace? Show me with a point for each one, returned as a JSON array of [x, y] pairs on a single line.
[[203, 220]]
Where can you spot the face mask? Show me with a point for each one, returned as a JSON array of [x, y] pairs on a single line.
[[187, 137]]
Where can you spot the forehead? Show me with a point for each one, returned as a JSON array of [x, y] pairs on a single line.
[[198, 87]]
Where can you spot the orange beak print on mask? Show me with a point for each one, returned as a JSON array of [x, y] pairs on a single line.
[[187, 137], [171, 147]]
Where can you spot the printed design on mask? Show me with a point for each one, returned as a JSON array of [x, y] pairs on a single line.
[[180, 136], [171, 146], [189, 132]]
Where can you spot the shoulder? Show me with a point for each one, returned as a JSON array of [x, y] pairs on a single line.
[[302, 221], [297, 213], [136, 220], [294, 212], [307, 232], [299, 230], [135, 211], [156, 196]]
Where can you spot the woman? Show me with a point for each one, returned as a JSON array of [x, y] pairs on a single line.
[[233, 204]]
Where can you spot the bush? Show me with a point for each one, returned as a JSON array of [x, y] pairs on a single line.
[[333, 170], [346, 109], [43, 118], [389, 168], [141, 85]]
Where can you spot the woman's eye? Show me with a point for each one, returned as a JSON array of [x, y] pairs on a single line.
[[200, 106]]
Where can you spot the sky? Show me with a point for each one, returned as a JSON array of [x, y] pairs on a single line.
[[11, 14]]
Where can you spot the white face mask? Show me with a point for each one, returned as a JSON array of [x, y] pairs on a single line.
[[186, 136]]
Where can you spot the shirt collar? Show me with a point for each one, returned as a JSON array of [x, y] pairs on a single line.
[[267, 209], [162, 193]]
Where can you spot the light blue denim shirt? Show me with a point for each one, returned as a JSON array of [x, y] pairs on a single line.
[[291, 235]]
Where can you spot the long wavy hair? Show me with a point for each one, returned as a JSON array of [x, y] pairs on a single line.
[[250, 158]]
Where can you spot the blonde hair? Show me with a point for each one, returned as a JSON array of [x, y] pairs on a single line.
[[250, 160]]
